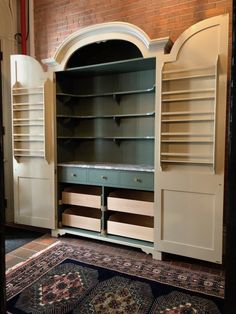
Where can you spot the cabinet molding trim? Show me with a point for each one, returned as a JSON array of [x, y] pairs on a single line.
[[107, 31]]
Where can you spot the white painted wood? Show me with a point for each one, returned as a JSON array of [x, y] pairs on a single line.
[[34, 188], [82, 217], [8, 27], [103, 32], [190, 152]]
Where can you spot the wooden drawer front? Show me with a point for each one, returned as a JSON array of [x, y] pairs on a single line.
[[136, 227], [103, 177], [88, 196], [131, 201], [73, 175], [80, 217], [139, 180]]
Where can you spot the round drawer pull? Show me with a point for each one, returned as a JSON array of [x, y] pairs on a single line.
[[138, 180], [74, 175], [104, 177]]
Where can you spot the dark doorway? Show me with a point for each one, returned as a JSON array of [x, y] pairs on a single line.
[[2, 207]]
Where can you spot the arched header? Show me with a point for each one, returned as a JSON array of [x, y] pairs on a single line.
[[103, 32]]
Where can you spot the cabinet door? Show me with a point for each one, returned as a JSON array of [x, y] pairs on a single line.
[[33, 143], [191, 142]]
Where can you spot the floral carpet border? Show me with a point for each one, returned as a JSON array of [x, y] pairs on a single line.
[[23, 276]]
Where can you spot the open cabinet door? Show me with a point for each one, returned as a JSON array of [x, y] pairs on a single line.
[[191, 142], [33, 143]]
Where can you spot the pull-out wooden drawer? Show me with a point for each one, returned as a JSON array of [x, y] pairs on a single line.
[[82, 217], [132, 201], [88, 196], [132, 226]]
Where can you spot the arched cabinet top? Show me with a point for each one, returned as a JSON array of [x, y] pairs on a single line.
[[103, 32]]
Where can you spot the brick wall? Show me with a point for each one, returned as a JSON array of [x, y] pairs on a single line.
[[55, 20]]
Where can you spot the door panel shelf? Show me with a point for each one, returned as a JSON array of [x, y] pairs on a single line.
[[187, 77], [196, 115], [188, 99], [28, 121]]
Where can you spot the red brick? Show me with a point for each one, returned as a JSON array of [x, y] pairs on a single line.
[[55, 20]]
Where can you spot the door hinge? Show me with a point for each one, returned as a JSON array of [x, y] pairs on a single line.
[[5, 203], [3, 130], [1, 56]]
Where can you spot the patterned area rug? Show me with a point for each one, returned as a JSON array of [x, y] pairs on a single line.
[[73, 279]]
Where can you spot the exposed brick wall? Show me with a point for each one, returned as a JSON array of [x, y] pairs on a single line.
[[56, 19]]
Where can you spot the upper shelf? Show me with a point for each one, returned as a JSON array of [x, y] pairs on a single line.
[[132, 65], [113, 116], [113, 93]]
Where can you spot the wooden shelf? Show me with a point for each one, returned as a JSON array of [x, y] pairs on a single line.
[[189, 91], [107, 137], [113, 93], [123, 66], [188, 77], [188, 120], [119, 116], [187, 99], [181, 113]]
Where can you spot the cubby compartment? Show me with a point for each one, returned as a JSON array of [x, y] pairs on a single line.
[[82, 217], [131, 201], [132, 226], [87, 196]]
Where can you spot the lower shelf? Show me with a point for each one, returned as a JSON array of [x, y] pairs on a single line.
[[132, 226], [146, 246], [81, 217]]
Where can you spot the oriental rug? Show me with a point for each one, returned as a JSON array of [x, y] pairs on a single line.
[[68, 278]]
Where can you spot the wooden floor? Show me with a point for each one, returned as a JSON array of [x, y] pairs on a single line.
[[23, 253]]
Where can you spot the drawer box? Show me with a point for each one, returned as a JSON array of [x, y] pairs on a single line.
[[132, 226], [103, 177], [82, 217], [131, 201], [87, 196], [137, 180], [72, 175]]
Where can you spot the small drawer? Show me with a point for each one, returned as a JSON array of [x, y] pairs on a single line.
[[81, 217], [137, 180], [72, 175], [103, 177], [131, 201], [132, 226], [88, 196]]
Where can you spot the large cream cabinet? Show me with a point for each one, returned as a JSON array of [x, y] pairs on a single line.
[[125, 147]]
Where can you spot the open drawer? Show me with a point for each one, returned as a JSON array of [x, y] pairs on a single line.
[[82, 217], [132, 201], [89, 196], [132, 226]]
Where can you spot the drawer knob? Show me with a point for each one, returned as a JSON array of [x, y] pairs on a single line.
[[137, 180], [74, 175], [104, 177]]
